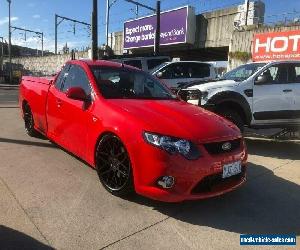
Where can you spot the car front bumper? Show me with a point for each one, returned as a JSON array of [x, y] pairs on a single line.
[[194, 179]]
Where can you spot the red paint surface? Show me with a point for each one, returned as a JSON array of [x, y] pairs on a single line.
[[78, 130]]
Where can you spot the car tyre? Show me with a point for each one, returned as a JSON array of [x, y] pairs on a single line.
[[114, 167], [233, 116], [29, 121]]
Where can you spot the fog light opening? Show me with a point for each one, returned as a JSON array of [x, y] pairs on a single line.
[[166, 182]]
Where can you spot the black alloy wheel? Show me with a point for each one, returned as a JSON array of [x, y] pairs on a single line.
[[113, 166], [28, 120]]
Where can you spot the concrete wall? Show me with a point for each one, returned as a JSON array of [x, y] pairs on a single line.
[[43, 66], [214, 28], [243, 41]]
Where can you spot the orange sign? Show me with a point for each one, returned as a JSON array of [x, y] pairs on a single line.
[[276, 46]]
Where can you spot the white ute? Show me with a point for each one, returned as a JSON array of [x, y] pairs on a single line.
[[256, 95]]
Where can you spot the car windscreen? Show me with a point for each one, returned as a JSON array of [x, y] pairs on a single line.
[[124, 83], [243, 72]]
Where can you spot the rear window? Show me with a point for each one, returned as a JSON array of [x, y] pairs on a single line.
[[152, 63], [134, 63]]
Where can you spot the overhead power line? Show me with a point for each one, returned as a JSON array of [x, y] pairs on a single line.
[[60, 19], [40, 35]]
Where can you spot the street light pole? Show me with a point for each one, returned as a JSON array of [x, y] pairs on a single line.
[[107, 20], [9, 42]]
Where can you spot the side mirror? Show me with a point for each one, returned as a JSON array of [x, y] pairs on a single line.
[[159, 75], [189, 94], [262, 79], [76, 93]]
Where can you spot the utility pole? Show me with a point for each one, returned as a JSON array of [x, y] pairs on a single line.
[[95, 30], [62, 18], [107, 20], [157, 32], [247, 10], [55, 50], [40, 35], [108, 6], [9, 42], [2, 52]]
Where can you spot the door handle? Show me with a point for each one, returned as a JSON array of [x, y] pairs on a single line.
[[287, 90]]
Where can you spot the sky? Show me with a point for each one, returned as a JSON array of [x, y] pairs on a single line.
[[38, 15]]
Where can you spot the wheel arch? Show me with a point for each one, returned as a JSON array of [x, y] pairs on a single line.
[[233, 100], [101, 135], [109, 132], [24, 102], [113, 133]]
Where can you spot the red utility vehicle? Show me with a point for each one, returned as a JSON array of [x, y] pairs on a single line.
[[135, 132]]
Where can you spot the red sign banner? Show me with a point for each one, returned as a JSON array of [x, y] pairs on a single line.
[[276, 46]]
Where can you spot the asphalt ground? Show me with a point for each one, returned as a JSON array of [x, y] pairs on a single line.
[[50, 199]]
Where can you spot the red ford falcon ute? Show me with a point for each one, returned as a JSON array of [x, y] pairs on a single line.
[[135, 132]]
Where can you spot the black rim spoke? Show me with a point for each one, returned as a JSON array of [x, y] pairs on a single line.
[[113, 163], [103, 160]]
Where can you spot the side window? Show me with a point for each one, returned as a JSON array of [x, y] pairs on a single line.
[[276, 74], [198, 70], [175, 71], [152, 63], [134, 63], [294, 73], [77, 78], [167, 72], [62, 76]]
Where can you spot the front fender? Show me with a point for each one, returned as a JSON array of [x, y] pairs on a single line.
[[233, 97]]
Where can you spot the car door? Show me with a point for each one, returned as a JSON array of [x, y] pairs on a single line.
[[175, 73], [293, 87], [271, 98], [77, 114], [55, 117], [74, 115]]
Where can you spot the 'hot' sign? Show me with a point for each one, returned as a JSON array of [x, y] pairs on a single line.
[[276, 46]]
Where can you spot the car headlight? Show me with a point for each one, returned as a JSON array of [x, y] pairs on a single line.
[[173, 145]]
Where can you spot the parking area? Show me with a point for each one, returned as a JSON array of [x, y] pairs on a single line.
[[50, 199]]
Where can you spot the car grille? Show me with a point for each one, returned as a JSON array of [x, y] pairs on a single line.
[[217, 147], [208, 183]]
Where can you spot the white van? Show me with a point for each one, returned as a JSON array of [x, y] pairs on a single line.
[[144, 63], [174, 73]]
